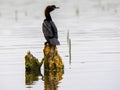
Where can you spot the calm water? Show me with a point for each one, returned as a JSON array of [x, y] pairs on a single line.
[[94, 30]]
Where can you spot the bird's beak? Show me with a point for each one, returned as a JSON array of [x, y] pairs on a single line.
[[57, 8]]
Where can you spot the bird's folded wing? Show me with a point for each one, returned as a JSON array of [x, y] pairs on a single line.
[[47, 30]]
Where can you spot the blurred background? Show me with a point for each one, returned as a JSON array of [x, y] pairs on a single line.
[[93, 62]]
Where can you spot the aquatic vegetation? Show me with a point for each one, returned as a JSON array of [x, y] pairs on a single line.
[[52, 60], [53, 67], [32, 65]]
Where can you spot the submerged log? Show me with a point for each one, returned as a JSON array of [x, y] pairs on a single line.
[[52, 60]]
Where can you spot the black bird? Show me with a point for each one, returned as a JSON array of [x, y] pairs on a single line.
[[49, 28]]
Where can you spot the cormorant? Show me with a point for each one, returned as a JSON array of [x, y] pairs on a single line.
[[49, 28]]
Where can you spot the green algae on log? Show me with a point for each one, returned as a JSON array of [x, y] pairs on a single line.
[[32, 65], [53, 68], [52, 60]]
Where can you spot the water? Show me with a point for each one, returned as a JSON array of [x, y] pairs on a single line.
[[95, 43]]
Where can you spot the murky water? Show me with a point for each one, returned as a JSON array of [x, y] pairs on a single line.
[[94, 31]]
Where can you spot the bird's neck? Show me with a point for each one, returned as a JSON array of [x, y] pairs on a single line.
[[48, 17]]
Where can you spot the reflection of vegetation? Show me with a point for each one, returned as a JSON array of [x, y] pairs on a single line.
[[53, 68], [51, 79], [31, 77]]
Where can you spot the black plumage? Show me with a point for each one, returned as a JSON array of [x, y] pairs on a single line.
[[49, 28]]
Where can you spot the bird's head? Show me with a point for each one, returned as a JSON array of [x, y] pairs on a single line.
[[50, 8]]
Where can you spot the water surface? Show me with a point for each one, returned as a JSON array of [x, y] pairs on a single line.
[[94, 31]]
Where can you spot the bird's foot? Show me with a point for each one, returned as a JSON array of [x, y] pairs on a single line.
[[45, 43]]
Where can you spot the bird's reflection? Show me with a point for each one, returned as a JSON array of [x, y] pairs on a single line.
[[51, 79]]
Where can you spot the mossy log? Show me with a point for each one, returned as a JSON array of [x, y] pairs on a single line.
[[53, 67], [52, 60], [32, 64]]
